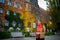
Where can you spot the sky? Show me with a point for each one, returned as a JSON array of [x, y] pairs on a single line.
[[42, 4]]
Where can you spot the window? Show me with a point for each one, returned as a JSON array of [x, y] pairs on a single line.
[[15, 4], [9, 2], [29, 24], [1, 10], [8, 12], [14, 13], [28, 0], [34, 25], [27, 5], [0, 21], [6, 23], [29, 8], [1, 1], [14, 23], [24, 0], [20, 6], [19, 25]]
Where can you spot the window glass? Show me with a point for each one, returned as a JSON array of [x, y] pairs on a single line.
[[8, 12], [9, 2], [1, 10], [19, 25], [6, 23], [15, 13], [0, 21], [1, 1], [29, 24], [15, 4], [14, 23], [20, 6], [28, 0]]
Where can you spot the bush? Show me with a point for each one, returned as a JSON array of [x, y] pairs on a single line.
[[49, 33], [26, 34], [4, 35]]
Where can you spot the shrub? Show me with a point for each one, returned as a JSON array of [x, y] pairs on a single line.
[[49, 33], [26, 34], [4, 35]]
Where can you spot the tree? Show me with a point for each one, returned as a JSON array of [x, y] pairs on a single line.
[[51, 26], [54, 7], [29, 19]]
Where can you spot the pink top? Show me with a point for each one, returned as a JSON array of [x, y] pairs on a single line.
[[39, 26]]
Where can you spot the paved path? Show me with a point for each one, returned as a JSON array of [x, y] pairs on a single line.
[[26, 38], [54, 37]]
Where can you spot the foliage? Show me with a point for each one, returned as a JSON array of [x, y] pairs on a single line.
[[54, 7], [29, 19], [49, 33], [26, 34], [4, 35], [51, 26], [11, 17]]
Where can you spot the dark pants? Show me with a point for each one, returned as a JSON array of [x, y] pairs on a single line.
[[39, 38]]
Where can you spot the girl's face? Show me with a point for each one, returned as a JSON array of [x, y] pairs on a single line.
[[39, 21]]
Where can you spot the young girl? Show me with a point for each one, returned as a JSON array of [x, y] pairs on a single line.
[[40, 35]]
